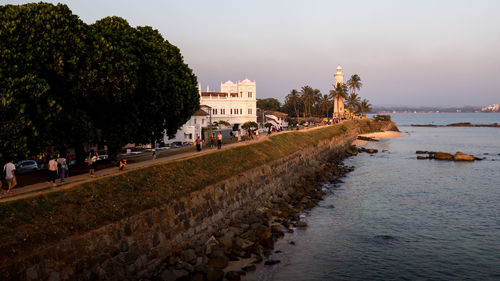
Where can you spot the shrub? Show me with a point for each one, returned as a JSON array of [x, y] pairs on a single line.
[[343, 128], [382, 117]]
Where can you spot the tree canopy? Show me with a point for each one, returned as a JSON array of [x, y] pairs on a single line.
[[63, 82], [269, 104]]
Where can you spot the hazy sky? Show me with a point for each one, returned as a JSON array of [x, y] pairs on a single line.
[[444, 53]]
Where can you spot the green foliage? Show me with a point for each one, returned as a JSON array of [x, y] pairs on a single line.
[[65, 82], [343, 128], [269, 104], [382, 117], [249, 124], [267, 125], [352, 101], [222, 123]]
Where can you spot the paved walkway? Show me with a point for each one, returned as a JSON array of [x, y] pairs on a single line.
[[43, 187]]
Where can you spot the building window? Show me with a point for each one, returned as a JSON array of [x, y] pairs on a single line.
[[202, 121], [194, 121], [249, 94], [241, 111], [241, 94], [223, 111], [249, 111]]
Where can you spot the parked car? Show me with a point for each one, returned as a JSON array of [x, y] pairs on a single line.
[[26, 166]]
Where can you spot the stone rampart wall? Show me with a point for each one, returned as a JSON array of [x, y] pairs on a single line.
[[134, 247]]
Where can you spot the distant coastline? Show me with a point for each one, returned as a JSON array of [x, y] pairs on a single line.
[[434, 109]]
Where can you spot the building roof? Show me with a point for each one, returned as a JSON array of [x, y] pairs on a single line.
[[200, 112]]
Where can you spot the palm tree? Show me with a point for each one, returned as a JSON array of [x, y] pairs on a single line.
[[364, 106], [306, 95], [294, 99], [324, 104], [340, 92], [354, 84], [353, 101], [316, 97]]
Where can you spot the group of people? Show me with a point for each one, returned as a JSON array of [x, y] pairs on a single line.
[[57, 166]]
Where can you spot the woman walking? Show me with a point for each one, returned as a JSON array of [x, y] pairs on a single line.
[[53, 170]]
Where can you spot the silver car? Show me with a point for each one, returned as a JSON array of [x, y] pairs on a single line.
[[26, 166]]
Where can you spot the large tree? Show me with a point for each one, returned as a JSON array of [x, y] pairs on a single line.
[[352, 102], [293, 99], [354, 83], [269, 104], [41, 51], [364, 106], [75, 84]]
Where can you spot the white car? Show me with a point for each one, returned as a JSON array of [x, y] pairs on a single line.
[[26, 166]]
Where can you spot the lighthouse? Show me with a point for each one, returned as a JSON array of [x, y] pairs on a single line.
[[338, 108]]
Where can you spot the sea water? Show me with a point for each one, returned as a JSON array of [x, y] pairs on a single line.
[[399, 218]]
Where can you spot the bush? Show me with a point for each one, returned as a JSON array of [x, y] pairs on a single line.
[[382, 117], [343, 128]]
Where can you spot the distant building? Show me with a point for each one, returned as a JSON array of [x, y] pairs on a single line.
[[192, 129], [491, 108], [235, 103], [274, 117], [338, 108]]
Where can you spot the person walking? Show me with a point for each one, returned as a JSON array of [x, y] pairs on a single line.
[[239, 135], [219, 140], [53, 170], [10, 176], [92, 162], [61, 166], [198, 143], [154, 153], [269, 131], [212, 141]]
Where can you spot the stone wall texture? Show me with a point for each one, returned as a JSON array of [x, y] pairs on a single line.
[[134, 247]]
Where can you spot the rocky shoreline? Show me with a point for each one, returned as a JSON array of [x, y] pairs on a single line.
[[459, 156], [249, 240]]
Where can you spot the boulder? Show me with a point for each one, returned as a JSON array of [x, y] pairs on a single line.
[[218, 262], [189, 255], [263, 232], [248, 268], [443, 156], [463, 157], [271, 262], [215, 274], [301, 224], [233, 275]]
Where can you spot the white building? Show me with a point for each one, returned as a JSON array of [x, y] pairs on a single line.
[[236, 103], [338, 108], [491, 107], [192, 129]]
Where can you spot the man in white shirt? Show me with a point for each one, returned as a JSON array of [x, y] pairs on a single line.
[[10, 176]]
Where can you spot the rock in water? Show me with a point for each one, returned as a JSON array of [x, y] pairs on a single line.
[[271, 262], [463, 157], [443, 156], [422, 157], [421, 152]]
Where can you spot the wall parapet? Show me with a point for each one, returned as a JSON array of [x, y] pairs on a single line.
[[117, 228]]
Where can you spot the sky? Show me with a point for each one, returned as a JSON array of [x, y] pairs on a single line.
[[413, 53]]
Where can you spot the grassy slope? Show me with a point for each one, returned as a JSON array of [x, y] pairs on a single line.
[[41, 219]]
